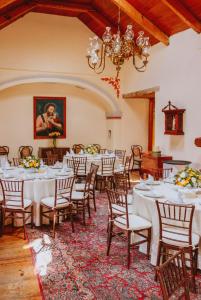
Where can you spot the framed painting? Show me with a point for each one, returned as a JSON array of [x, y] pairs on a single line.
[[49, 117]]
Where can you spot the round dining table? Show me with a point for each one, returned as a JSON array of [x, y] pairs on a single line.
[[37, 185], [145, 206]]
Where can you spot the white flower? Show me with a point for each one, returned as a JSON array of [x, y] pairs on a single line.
[[183, 175]]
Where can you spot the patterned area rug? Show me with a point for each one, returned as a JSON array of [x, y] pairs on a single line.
[[74, 266]]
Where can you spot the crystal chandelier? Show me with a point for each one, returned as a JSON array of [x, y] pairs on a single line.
[[118, 48]]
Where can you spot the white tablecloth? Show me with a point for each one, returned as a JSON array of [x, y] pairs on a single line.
[[36, 185], [146, 208], [95, 159]]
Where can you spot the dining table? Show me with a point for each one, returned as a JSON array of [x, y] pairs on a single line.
[[145, 195], [38, 184]]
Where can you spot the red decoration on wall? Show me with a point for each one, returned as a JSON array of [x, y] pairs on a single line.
[[173, 119], [115, 82]]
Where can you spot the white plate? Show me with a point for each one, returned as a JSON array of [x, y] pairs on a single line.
[[153, 195], [142, 187]]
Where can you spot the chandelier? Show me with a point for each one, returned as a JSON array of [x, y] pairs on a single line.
[[118, 48]]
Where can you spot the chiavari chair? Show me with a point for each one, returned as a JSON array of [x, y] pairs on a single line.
[[175, 224], [81, 186], [126, 169], [15, 206], [102, 151], [82, 168], [126, 223], [137, 157], [25, 151], [77, 148], [173, 277], [80, 199], [4, 151], [60, 204], [106, 175], [120, 154]]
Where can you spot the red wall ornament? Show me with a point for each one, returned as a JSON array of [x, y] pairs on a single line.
[[173, 119]]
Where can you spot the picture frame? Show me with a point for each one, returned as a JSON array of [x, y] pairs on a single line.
[[49, 115]]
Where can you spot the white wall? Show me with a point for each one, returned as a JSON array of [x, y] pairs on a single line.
[[177, 70], [38, 48]]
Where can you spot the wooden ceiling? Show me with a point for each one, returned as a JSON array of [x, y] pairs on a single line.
[[158, 18]]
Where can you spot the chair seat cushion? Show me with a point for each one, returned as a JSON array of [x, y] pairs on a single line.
[[119, 210], [135, 222], [77, 196], [173, 236], [12, 204], [80, 187], [49, 201]]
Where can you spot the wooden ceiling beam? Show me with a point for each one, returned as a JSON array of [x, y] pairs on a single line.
[[147, 93], [100, 19], [6, 3], [14, 14], [138, 18], [184, 14], [63, 7]]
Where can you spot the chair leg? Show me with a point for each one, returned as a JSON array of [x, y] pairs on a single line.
[[83, 213], [88, 207], [158, 257], [195, 261], [71, 218], [129, 180], [109, 237], [32, 216], [41, 215], [94, 199], [24, 225], [148, 243], [3, 221], [192, 270], [54, 222], [129, 241]]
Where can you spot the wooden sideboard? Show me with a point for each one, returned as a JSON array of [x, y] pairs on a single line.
[[61, 151], [150, 161]]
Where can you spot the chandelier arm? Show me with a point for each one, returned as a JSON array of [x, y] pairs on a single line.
[[102, 56], [141, 68]]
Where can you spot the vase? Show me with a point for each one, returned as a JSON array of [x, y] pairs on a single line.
[[54, 141]]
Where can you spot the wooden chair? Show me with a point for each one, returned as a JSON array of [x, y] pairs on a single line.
[[102, 151], [173, 277], [175, 224], [4, 150], [25, 151], [59, 204], [120, 154], [81, 186], [77, 148], [98, 147], [16, 161], [156, 173], [106, 174], [82, 168], [80, 199], [137, 157], [15, 206], [126, 169], [126, 223]]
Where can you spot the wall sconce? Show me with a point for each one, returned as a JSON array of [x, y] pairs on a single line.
[[109, 133]]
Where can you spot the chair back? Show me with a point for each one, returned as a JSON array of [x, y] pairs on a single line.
[[173, 277], [87, 185], [74, 165], [63, 189], [107, 166], [93, 169], [82, 167], [13, 197], [16, 161], [102, 151], [98, 147], [121, 182], [4, 150], [120, 154], [175, 222], [137, 151], [128, 163], [77, 148], [25, 151], [117, 201]]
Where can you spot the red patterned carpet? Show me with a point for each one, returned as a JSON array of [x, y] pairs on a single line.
[[74, 266]]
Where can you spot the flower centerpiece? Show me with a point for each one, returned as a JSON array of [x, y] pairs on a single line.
[[188, 178], [54, 135], [30, 162], [91, 149]]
